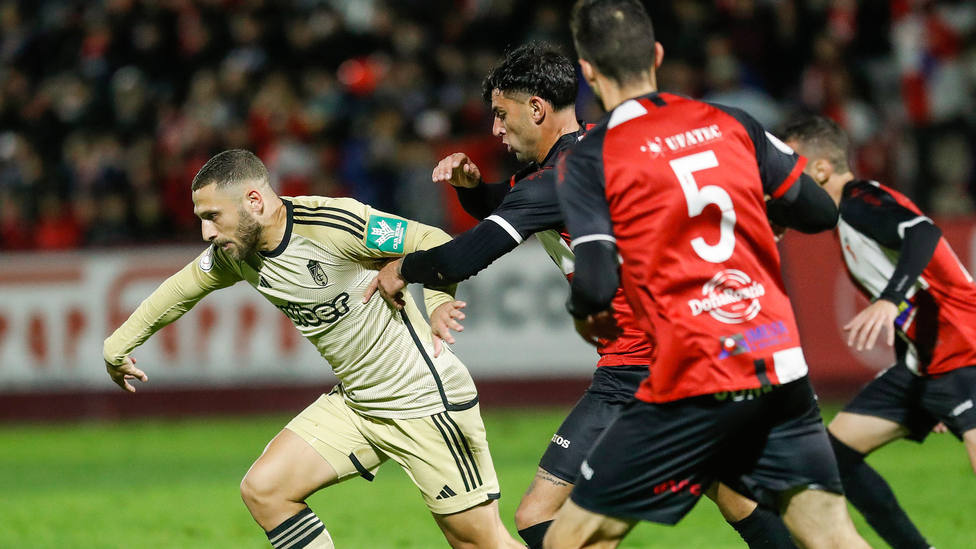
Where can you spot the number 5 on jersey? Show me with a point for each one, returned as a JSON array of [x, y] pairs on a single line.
[[684, 168]]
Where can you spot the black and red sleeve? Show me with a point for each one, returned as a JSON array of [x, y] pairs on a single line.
[[480, 201], [581, 188], [795, 200], [877, 214], [530, 206]]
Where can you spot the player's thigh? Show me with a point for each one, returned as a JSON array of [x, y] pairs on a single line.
[[325, 436], [865, 433], [478, 526], [819, 519], [575, 526], [289, 469], [969, 439], [445, 455], [889, 407]]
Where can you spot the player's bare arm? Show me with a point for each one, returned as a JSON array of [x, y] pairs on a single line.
[[126, 372], [864, 329], [458, 170]]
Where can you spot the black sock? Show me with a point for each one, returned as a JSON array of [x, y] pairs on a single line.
[[296, 531], [533, 534], [764, 529], [871, 495]]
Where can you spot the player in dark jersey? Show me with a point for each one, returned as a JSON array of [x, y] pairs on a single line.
[[920, 292], [677, 188], [533, 93]]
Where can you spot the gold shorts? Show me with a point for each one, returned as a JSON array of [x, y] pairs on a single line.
[[446, 454]]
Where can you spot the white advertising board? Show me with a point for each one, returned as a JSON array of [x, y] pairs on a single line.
[[56, 308]]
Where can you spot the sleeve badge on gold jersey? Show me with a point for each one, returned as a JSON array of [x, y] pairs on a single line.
[[207, 260], [318, 273], [385, 233]]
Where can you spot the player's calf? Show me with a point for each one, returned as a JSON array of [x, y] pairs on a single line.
[[303, 530], [275, 488], [576, 527], [819, 520], [759, 527], [545, 495], [872, 496], [479, 527]]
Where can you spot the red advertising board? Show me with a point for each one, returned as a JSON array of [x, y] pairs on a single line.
[[825, 299]]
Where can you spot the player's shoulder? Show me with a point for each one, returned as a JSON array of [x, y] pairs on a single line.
[[536, 188], [590, 144], [860, 193], [347, 205], [316, 214]]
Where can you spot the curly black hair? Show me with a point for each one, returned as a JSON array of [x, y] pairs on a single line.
[[536, 68]]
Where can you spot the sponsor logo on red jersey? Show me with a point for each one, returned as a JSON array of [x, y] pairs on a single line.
[[730, 297], [754, 339]]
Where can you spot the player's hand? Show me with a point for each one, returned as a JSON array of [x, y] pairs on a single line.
[[446, 317], [940, 428], [389, 283], [778, 231], [458, 170], [127, 371], [867, 325], [597, 327]]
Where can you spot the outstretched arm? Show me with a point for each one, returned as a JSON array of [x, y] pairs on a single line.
[[171, 300], [806, 207]]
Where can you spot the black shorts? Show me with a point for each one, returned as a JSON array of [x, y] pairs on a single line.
[[612, 388], [793, 459], [919, 402], [654, 462]]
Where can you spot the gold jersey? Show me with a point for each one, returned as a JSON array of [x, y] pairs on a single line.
[[331, 251]]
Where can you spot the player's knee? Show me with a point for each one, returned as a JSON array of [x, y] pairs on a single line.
[[847, 457], [257, 489], [532, 511]]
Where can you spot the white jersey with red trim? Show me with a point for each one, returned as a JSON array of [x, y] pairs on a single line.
[[936, 326]]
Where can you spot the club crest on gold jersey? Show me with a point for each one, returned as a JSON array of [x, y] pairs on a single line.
[[318, 273]]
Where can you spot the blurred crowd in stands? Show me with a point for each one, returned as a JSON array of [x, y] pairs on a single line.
[[108, 107]]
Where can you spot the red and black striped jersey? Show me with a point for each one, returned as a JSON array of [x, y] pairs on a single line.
[[937, 321], [680, 185]]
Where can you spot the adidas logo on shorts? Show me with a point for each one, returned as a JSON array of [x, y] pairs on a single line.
[[446, 492]]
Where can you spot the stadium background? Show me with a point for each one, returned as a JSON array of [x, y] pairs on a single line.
[[108, 108]]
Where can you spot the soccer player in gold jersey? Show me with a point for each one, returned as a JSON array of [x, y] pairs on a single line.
[[401, 394]]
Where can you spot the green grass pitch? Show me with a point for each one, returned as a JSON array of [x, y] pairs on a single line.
[[174, 484]]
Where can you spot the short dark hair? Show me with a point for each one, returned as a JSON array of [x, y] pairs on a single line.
[[615, 36], [823, 137], [536, 68], [229, 168]]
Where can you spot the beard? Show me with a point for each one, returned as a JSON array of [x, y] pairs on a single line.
[[247, 235]]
